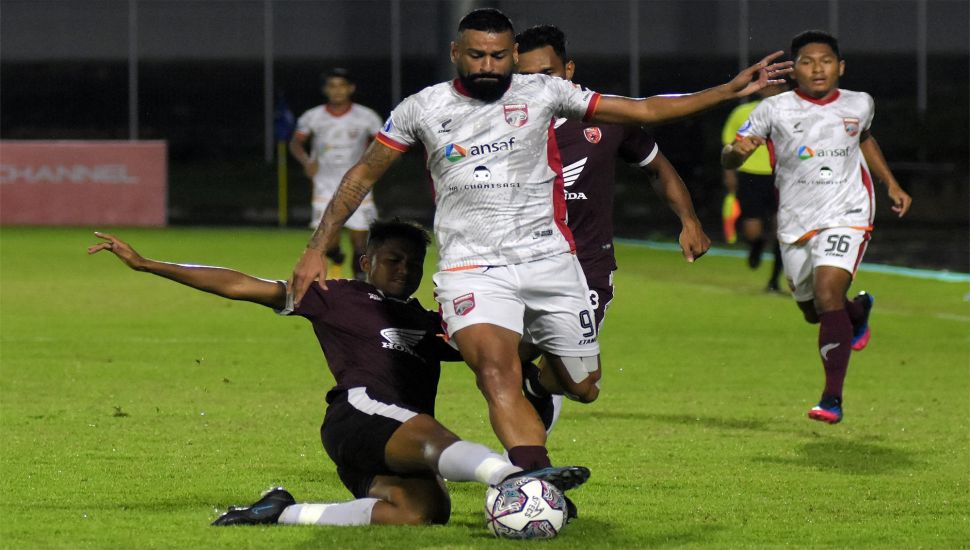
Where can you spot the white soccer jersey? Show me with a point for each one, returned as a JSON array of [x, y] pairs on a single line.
[[338, 140], [495, 167], [822, 177]]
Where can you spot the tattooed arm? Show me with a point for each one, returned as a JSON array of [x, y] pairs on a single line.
[[354, 186]]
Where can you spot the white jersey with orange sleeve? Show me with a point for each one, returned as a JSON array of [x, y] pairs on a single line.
[[822, 177], [495, 167], [338, 140]]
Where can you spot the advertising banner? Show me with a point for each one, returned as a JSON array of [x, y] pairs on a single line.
[[83, 183]]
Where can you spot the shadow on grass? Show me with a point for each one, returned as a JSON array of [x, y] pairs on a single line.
[[604, 533], [687, 420], [849, 457]]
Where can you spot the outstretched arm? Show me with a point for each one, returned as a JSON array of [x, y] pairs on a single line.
[[354, 186], [214, 280], [670, 187], [880, 169], [667, 108]]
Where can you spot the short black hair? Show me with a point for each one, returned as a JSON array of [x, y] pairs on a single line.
[[382, 231], [541, 36], [335, 72], [814, 37], [486, 20]]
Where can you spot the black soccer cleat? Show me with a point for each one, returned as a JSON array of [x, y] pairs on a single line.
[[265, 510], [563, 478]]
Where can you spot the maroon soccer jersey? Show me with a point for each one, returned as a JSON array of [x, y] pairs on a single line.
[[389, 346], [588, 152]]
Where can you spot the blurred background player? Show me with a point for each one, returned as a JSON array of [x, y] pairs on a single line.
[[506, 268], [588, 152], [341, 131], [384, 352], [754, 186], [824, 152]]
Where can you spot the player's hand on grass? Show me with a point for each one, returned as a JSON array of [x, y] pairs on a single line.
[[901, 200], [120, 248], [760, 75], [311, 267], [694, 243]]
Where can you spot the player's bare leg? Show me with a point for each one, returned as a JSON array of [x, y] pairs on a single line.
[[409, 501], [390, 500], [752, 231], [422, 444], [491, 352], [575, 377], [358, 241]]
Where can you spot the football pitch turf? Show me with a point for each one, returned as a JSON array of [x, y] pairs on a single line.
[[132, 409]]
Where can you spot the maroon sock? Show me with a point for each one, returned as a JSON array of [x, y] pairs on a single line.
[[855, 309], [529, 457], [834, 339]]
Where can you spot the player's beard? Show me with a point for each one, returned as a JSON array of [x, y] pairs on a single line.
[[487, 87]]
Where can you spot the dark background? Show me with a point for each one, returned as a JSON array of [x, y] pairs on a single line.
[[64, 75]]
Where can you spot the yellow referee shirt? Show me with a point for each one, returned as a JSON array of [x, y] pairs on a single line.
[[759, 163]]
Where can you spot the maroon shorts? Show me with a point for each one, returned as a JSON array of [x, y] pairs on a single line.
[[599, 279]]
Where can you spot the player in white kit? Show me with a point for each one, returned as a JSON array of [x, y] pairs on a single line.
[[340, 130], [823, 154], [507, 268]]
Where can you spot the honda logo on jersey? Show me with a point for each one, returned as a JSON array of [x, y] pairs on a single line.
[[593, 134], [570, 174], [401, 339], [516, 114]]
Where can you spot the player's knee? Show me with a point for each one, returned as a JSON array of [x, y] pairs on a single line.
[[809, 312], [412, 507], [587, 392], [828, 303], [495, 377], [582, 380]]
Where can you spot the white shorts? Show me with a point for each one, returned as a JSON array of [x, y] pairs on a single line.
[[837, 247], [546, 301], [360, 220]]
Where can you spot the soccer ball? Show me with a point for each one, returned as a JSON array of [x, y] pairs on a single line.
[[524, 508]]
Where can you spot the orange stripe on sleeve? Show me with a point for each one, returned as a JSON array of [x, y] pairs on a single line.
[[591, 108], [388, 142]]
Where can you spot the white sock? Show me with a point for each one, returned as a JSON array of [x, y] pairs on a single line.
[[354, 512], [556, 410], [466, 461]]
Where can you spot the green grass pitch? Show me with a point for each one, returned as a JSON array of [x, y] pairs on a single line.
[[132, 408]]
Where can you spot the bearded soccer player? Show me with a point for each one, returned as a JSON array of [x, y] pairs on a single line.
[[588, 152], [824, 153], [507, 268], [384, 353]]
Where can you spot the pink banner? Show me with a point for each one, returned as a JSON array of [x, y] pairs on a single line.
[[83, 183]]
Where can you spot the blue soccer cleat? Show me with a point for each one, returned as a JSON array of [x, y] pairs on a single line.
[[861, 332], [265, 510], [829, 410]]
